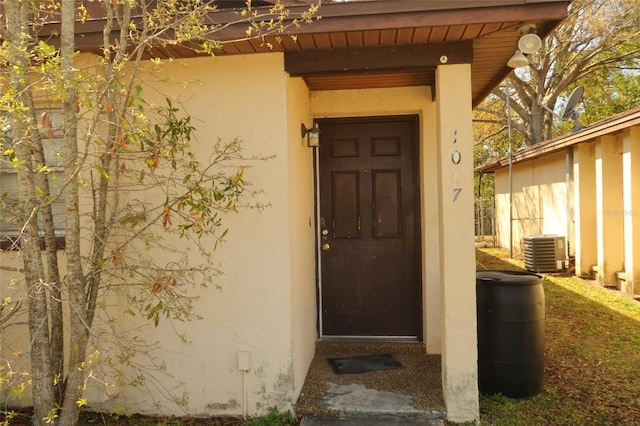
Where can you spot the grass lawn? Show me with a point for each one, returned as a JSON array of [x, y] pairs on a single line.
[[592, 356]]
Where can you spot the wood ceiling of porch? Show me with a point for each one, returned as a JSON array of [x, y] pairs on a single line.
[[371, 29]]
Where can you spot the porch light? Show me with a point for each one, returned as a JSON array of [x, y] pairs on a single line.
[[518, 60], [312, 134], [528, 43]]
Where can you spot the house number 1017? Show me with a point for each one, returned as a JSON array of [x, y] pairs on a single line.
[[456, 157]]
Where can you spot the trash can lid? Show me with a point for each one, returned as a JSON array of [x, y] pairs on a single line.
[[507, 277]]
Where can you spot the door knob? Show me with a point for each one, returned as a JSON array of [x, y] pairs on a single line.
[[326, 247]]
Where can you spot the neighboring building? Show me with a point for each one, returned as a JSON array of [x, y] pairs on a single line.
[[583, 186], [391, 86]]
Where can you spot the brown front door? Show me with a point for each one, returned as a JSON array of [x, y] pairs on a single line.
[[369, 233]]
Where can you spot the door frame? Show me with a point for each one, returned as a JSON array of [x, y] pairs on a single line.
[[415, 120]]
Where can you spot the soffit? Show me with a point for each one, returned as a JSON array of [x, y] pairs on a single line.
[[490, 28]]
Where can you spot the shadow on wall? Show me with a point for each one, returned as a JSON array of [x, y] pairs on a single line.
[[539, 209]]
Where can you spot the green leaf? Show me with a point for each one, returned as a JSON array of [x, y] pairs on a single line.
[[102, 171]]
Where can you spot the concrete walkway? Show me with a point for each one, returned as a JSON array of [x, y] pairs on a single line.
[[359, 405], [411, 395]]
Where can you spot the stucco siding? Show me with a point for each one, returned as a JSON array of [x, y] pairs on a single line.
[[265, 305], [301, 232], [228, 97], [609, 208], [584, 176], [244, 97], [540, 200], [631, 195], [586, 191], [457, 260]]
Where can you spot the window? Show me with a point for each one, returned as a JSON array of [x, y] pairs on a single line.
[[52, 144]]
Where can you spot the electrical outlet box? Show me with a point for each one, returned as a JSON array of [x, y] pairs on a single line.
[[244, 360]]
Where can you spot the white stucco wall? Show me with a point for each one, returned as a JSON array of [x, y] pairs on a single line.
[[609, 208], [266, 303], [14, 334], [596, 210], [540, 199], [301, 232], [631, 208], [584, 177], [457, 258]]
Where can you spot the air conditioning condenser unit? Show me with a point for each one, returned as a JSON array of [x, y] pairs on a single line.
[[545, 253]]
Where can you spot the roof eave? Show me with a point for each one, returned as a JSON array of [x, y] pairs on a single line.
[[604, 127]]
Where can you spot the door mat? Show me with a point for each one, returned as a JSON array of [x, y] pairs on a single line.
[[363, 364]]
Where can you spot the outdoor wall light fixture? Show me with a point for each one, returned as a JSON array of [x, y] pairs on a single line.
[[528, 43], [518, 60], [312, 134]]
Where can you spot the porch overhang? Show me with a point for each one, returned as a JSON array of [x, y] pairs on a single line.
[[490, 27], [383, 43]]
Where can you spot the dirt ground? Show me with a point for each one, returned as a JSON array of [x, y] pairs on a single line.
[[88, 418], [420, 378]]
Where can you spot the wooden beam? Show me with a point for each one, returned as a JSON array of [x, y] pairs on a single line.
[[376, 59]]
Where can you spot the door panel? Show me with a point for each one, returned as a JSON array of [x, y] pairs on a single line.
[[369, 202], [346, 204], [387, 205]]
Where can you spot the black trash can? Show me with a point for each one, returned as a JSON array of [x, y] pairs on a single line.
[[511, 313]]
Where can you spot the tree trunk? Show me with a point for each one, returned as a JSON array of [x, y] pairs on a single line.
[[537, 127], [41, 373], [17, 14], [53, 274], [78, 337]]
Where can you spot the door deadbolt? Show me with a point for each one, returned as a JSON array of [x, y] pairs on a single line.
[[325, 232]]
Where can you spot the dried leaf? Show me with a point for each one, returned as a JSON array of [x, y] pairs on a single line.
[[47, 123], [166, 219], [152, 162], [161, 283]]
